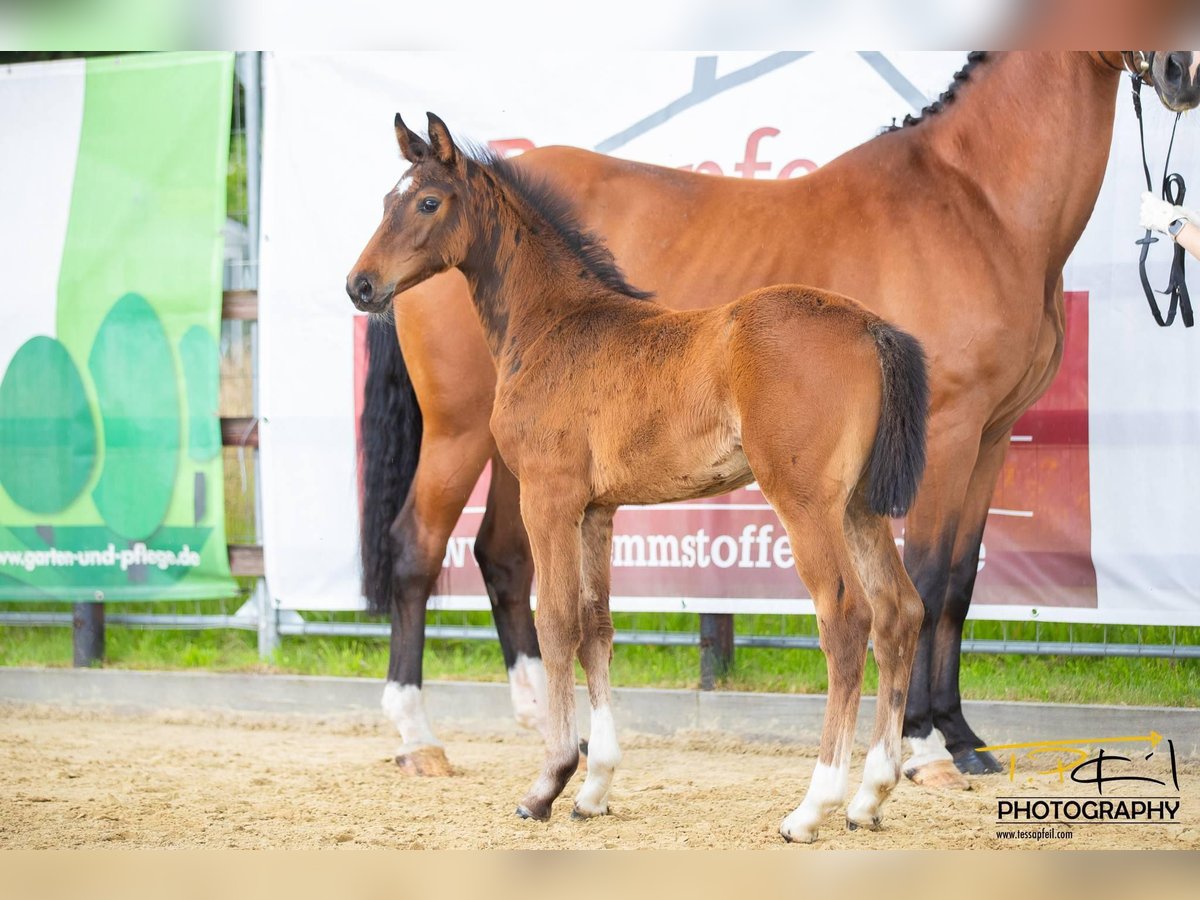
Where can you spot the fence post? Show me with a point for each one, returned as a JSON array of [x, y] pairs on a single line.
[[268, 621], [87, 634], [716, 648]]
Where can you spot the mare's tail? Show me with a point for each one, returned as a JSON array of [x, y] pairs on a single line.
[[391, 443], [898, 454]]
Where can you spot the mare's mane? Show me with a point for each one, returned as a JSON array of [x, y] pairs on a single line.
[[974, 59], [556, 213]]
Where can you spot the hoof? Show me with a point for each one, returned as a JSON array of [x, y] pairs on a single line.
[[797, 838], [582, 747], [940, 774], [972, 762], [873, 825], [426, 762], [580, 816], [526, 813]]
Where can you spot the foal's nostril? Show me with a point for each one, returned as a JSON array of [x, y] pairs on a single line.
[[364, 289]]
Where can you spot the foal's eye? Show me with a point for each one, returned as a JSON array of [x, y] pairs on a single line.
[[429, 204]]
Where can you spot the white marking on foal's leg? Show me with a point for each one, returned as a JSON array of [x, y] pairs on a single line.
[[604, 754], [923, 751], [402, 704], [527, 681], [826, 791], [880, 775]]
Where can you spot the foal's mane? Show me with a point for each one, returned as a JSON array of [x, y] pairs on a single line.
[[556, 213], [974, 59]]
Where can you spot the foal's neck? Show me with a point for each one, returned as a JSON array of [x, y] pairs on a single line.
[[522, 274], [1033, 131]]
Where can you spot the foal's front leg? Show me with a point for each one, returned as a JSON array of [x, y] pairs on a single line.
[[554, 535]]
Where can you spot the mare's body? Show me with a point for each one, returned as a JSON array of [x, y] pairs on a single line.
[[955, 228]]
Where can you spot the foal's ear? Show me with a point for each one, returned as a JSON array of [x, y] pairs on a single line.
[[443, 144], [412, 145]]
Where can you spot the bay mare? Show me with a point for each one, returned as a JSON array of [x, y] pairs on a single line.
[[955, 227], [605, 398]]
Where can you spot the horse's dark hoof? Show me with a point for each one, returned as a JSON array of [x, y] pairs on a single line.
[[526, 813], [974, 762], [851, 825], [582, 747]]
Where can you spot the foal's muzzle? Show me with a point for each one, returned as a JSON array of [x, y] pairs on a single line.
[[365, 296]]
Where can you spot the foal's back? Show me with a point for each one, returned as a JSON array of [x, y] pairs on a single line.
[[653, 401]]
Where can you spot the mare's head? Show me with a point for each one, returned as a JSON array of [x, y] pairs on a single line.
[[1174, 75], [424, 229]]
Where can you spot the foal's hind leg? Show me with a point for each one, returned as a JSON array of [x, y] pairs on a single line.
[[844, 621], [897, 614], [595, 655]]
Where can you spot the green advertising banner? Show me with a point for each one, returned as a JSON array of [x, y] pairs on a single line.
[[112, 201]]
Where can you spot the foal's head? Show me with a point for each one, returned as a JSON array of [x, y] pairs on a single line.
[[425, 227]]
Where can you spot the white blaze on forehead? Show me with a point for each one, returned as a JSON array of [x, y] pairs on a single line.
[[404, 184]]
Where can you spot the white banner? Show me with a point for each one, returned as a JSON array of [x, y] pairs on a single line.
[[1121, 427]]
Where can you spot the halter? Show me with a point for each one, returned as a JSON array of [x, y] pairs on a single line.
[[1137, 63]]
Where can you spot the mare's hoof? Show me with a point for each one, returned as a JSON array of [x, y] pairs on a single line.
[[873, 825], [525, 813], [973, 762], [425, 762], [941, 774]]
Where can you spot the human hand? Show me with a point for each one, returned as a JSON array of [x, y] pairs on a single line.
[[1157, 214]]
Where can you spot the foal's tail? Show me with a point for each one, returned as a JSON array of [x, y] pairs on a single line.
[[391, 443], [898, 454]]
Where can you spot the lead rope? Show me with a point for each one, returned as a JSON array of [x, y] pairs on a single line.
[[1174, 190]]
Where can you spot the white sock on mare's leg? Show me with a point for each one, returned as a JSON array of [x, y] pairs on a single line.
[[923, 751], [826, 791], [880, 775], [403, 705], [604, 754], [527, 682]]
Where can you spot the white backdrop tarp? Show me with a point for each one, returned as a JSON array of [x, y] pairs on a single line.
[[330, 156]]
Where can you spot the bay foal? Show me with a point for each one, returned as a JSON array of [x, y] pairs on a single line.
[[606, 398]]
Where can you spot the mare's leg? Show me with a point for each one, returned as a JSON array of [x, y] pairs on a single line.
[[815, 529], [595, 655], [553, 517], [445, 476], [502, 550], [929, 536], [948, 717], [896, 622], [454, 380]]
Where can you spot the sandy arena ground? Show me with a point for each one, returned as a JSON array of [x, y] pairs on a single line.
[[80, 778]]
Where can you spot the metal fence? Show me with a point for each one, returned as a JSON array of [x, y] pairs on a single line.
[[716, 634]]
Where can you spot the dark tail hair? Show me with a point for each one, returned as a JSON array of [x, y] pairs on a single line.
[[391, 443], [898, 454]]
